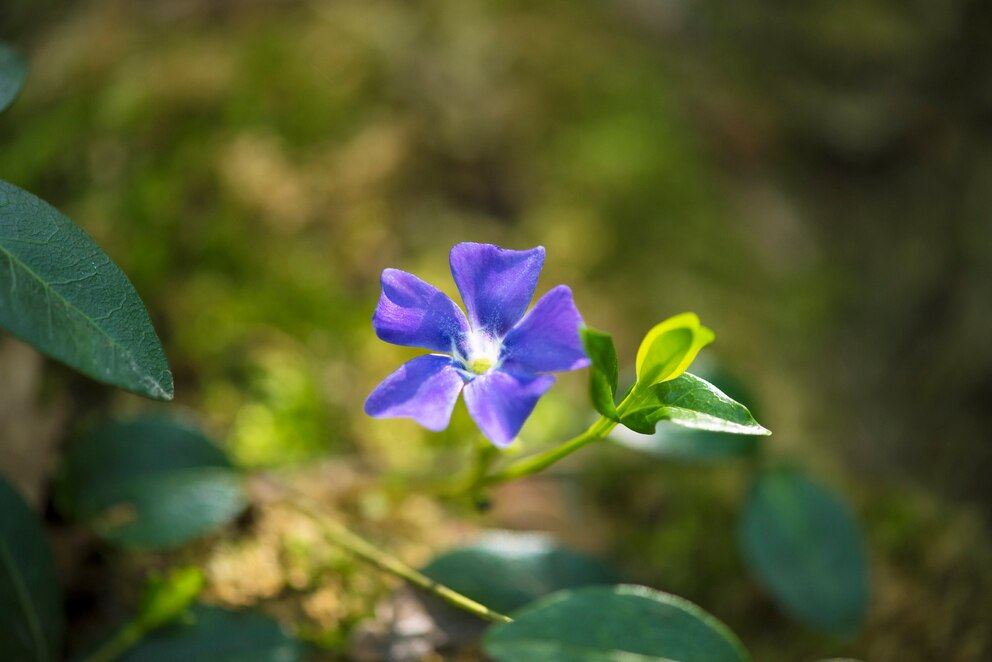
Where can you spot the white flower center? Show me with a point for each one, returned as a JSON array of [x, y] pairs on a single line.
[[482, 352]]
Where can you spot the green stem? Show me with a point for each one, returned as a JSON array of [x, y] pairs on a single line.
[[119, 644], [596, 432], [535, 463], [339, 535]]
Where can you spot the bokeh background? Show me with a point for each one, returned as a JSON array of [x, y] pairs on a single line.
[[813, 179]]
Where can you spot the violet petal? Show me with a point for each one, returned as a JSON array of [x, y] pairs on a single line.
[[424, 389], [499, 402], [414, 313], [496, 284], [547, 338]]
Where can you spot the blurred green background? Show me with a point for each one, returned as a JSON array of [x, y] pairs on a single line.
[[813, 179]]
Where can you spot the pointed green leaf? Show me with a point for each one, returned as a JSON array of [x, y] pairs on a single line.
[[604, 371], [61, 293], [30, 597], [218, 635], [670, 347], [151, 483], [804, 546], [613, 624], [506, 570], [692, 402], [13, 70]]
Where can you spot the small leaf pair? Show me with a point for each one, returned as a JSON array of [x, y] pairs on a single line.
[[664, 391]]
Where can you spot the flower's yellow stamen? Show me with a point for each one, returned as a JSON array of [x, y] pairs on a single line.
[[481, 366]]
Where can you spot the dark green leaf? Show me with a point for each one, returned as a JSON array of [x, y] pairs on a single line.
[[613, 624], [13, 69], [692, 402], [61, 293], [506, 570], [149, 483], [604, 371], [217, 635], [30, 596], [804, 546]]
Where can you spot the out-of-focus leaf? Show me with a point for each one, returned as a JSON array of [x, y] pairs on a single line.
[[30, 597], [804, 546], [669, 348], [692, 402], [613, 624], [149, 483], [506, 570], [167, 598], [604, 372], [218, 635], [61, 293], [13, 69]]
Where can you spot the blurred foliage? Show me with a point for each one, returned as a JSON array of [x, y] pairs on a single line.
[[812, 179]]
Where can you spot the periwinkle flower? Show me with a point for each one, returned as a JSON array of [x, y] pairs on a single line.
[[499, 355]]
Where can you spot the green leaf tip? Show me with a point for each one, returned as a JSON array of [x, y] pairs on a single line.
[[62, 294], [692, 402], [670, 348]]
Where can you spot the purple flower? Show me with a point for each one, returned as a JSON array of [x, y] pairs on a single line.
[[498, 355]]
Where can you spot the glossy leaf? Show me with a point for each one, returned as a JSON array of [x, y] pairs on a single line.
[[61, 293], [31, 624], [603, 373], [670, 347], [13, 70], [613, 624], [506, 570], [804, 546], [218, 635], [149, 483], [671, 442], [692, 402]]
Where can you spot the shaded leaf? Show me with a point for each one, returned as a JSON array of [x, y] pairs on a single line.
[[149, 483], [218, 635], [13, 70], [670, 347], [31, 622], [506, 570], [613, 624], [604, 372], [692, 402], [62, 294], [804, 546]]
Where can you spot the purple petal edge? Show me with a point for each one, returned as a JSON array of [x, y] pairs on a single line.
[[424, 389], [547, 338], [496, 284], [414, 313]]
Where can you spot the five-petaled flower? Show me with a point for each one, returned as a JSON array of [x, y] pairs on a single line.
[[498, 354]]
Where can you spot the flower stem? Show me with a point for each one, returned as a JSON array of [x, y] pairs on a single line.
[[596, 432], [342, 537], [535, 463]]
